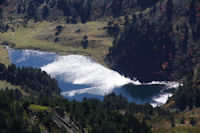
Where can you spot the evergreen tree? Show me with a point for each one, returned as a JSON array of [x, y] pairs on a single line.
[[169, 10], [84, 42], [32, 11], [192, 13], [45, 12], [183, 120], [172, 120], [134, 18], [74, 21], [67, 20], [146, 3], [126, 20], [1, 14], [19, 9], [116, 7], [193, 121], [2, 2]]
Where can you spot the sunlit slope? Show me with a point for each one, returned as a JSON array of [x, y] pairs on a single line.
[[41, 36], [4, 58]]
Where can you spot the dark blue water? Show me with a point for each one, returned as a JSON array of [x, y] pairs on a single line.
[[137, 93]]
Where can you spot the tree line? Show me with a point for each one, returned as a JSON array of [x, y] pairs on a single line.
[[30, 78], [78, 10], [104, 116], [155, 49], [113, 114], [12, 112], [188, 95]]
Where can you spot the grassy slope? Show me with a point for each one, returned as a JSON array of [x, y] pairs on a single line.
[[163, 125], [4, 58], [4, 84], [41, 36]]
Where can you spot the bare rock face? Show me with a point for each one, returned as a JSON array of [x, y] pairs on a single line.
[[65, 122], [60, 118]]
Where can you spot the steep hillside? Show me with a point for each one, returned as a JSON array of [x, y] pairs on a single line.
[[36, 111], [4, 58], [43, 36], [159, 43], [33, 24], [32, 104], [70, 10], [147, 39], [166, 31]]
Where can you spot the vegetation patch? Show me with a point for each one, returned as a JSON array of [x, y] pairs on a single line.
[[44, 36], [4, 84], [4, 58], [39, 108]]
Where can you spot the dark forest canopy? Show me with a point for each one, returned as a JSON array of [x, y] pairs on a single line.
[[30, 78], [72, 10], [188, 95], [145, 50], [12, 114], [155, 48], [16, 108], [90, 114]]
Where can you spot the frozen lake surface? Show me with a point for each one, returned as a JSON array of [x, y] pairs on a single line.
[[80, 76]]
